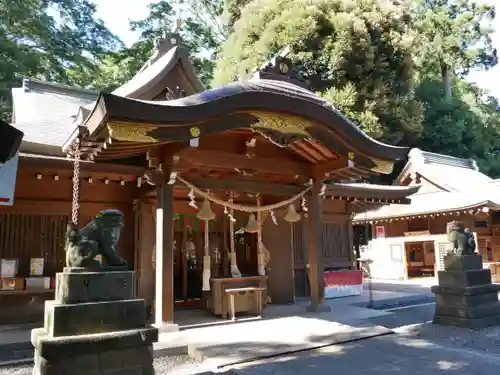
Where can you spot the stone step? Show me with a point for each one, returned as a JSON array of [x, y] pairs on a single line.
[[464, 278], [94, 317], [81, 287]]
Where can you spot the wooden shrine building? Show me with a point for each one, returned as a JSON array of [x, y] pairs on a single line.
[[410, 240], [242, 185]]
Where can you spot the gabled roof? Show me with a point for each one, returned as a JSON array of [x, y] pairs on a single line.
[[462, 187], [447, 172], [45, 111], [48, 113]]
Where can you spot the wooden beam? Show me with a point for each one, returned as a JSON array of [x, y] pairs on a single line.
[[244, 186], [322, 171], [228, 160], [67, 164]]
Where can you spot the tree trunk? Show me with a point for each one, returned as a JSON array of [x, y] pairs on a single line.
[[445, 76]]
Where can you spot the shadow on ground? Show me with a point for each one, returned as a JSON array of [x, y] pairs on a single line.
[[377, 356]]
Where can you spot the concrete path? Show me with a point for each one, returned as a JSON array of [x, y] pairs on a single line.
[[254, 340], [378, 356]]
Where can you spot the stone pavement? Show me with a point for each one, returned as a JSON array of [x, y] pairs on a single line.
[[377, 356], [237, 343]]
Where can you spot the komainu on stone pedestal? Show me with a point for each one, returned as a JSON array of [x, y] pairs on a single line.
[[95, 325], [465, 296]]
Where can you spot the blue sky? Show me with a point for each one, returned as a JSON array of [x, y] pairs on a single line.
[[116, 16]]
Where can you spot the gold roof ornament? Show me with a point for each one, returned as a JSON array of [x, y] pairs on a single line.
[[252, 225], [206, 212], [292, 216]]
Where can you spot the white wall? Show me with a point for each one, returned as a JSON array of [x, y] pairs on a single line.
[[388, 255]]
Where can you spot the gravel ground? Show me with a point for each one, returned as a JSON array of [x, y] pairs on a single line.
[[485, 340], [171, 365]]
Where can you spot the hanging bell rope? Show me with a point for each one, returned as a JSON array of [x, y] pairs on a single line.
[[206, 261], [235, 272], [240, 207], [260, 253]]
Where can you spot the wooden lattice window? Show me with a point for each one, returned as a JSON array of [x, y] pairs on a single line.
[[23, 237]]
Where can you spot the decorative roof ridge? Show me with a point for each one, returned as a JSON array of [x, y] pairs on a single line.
[[30, 84], [280, 68], [426, 157]]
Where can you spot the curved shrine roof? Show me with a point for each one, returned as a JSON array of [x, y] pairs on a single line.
[[283, 112]]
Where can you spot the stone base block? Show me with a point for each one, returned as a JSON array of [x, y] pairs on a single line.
[[468, 312], [52, 350], [130, 361], [465, 290], [466, 300], [93, 317], [165, 327], [321, 308], [81, 287], [464, 278], [475, 324], [463, 263]]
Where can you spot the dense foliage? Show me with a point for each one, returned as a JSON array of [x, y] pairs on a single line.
[[396, 68]]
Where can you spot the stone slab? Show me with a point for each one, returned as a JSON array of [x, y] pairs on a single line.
[[463, 263], [464, 278], [81, 287], [93, 317], [468, 312], [70, 346], [466, 290], [464, 300], [474, 324]]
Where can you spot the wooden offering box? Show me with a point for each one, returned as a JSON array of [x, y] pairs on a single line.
[[245, 301]]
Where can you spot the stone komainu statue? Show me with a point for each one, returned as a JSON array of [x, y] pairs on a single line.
[[461, 238], [98, 237]]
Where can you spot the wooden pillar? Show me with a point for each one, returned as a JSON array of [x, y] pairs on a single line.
[[164, 300], [145, 250], [315, 250]]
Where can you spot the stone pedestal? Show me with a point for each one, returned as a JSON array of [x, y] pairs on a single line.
[[94, 326], [465, 296]]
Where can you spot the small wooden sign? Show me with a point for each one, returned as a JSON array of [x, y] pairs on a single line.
[[380, 231]]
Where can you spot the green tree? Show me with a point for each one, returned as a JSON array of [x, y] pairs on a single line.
[[232, 11], [198, 23], [357, 53], [453, 37], [467, 126], [47, 39]]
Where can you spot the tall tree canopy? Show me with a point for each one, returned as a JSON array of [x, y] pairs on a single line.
[[357, 53], [48, 38], [198, 23], [452, 37]]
